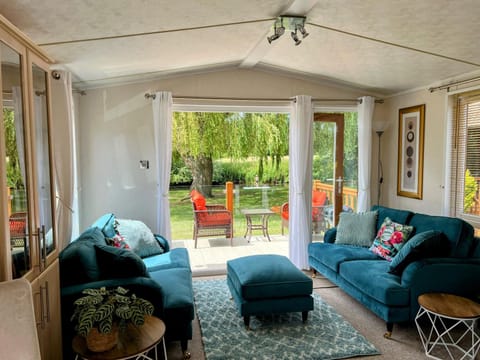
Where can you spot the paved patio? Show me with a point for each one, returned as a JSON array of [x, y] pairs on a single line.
[[211, 255]]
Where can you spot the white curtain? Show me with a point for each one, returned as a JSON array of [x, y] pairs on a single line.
[[63, 149], [300, 173], [162, 122], [365, 115], [18, 120]]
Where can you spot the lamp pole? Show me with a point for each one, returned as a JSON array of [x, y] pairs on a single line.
[[379, 167]]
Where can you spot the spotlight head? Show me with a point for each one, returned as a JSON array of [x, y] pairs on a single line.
[[303, 31], [280, 31], [272, 38], [295, 38]]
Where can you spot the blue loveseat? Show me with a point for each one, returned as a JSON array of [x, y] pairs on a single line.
[[393, 296], [164, 278]]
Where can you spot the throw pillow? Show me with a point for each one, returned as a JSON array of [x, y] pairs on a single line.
[[118, 241], [119, 263], [199, 200], [356, 229], [139, 237], [426, 244], [390, 239]]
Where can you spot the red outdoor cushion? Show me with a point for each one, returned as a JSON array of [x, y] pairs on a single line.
[[198, 200], [318, 197], [213, 219]]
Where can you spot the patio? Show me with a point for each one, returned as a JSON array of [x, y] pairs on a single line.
[[211, 255]]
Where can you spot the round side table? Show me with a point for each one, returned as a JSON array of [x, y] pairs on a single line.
[[133, 343], [449, 322]]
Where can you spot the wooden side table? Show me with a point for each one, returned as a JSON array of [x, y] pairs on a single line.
[[133, 343], [452, 325]]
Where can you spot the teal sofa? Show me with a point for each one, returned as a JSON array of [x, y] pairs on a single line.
[[163, 278], [392, 295]]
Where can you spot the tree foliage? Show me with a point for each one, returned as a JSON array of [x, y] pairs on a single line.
[[14, 175]]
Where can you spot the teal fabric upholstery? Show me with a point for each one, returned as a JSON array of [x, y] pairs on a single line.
[[427, 244], [356, 229], [268, 284], [119, 263], [428, 265], [163, 279], [79, 259], [267, 276]]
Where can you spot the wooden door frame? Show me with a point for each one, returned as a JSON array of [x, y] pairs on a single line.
[[339, 120]]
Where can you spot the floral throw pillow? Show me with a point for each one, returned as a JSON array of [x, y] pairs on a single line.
[[390, 239], [118, 241]]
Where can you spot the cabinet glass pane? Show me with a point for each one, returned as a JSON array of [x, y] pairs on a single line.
[[42, 158], [15, 159]]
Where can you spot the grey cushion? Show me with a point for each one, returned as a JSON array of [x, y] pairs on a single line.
[[139, 237], [356, 229]]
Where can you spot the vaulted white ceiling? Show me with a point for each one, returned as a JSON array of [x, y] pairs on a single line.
[[383, 47]]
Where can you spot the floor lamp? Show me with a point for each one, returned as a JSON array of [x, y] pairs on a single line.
[[379, 167]]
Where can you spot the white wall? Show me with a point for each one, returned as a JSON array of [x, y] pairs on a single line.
[[434, 152], [115, 131]]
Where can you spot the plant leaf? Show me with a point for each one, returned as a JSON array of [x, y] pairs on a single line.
[[104, 311]]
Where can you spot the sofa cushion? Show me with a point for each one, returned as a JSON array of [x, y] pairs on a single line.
[[118, 263], [372, 279], [106, 223], [332, 255], [198, 200], [457, 231], [356, 229], [175, 258], [426, 244], [78, 261], [139, 237], [397, 215], [390, 238]]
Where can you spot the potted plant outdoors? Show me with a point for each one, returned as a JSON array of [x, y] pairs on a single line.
[[101, 312]]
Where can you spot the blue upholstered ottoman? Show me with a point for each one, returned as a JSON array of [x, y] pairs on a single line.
[[267, 284]]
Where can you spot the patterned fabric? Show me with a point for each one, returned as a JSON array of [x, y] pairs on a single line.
[[118, 241], [390, 239]]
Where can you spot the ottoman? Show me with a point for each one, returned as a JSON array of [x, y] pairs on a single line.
[[267, 284]]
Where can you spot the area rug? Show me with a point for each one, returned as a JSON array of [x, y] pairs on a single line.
[[325, 336]]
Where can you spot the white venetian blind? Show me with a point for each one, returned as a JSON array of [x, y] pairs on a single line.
[[465, 157]]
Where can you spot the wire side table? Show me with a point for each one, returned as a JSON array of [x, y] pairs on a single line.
[[451, 326]]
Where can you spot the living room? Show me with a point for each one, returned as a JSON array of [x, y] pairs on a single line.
[[222, 60]]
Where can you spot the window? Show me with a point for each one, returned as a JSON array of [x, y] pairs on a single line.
[[465, 156]]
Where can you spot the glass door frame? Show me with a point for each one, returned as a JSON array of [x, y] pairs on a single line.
[[339, 120]]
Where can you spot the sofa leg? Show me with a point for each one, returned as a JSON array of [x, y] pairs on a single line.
[[186, 353], [246, 321], [388, 334], [314, 273], [304, 316]]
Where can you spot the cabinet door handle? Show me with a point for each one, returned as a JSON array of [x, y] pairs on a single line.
[[47, 301], [44, 254], [42, 309], [39, 249]]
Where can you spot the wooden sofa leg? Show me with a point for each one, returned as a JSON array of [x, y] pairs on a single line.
[[388, 334], [314, 273]]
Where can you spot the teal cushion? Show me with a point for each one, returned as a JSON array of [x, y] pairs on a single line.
[[106, 223], [267, 276], [139, 237], [426, 244], [175, 258], [390, 239], [356, 229], [78, 261], [118, 263]]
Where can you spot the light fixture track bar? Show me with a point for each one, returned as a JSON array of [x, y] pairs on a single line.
[[455, 83]]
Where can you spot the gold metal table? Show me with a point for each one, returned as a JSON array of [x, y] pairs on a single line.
[[264, 214]]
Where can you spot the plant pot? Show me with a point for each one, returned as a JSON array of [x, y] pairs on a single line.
[[99, 342]]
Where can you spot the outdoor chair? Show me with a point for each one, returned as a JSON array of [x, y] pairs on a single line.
[[319, 221], [210, 220], [17, 223]]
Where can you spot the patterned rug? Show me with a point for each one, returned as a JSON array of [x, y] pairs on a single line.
[[326, 335]]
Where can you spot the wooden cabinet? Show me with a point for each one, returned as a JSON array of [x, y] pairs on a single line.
[[28, 244]]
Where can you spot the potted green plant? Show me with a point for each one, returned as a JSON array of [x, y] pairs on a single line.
[[101, 312]]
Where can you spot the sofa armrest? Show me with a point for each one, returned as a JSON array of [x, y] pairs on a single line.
[[330, 235], [162, 242], [453, 275]]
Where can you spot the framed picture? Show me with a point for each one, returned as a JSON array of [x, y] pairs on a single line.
[[411, 127]]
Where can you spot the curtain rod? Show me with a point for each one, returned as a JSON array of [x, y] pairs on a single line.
[[455, 83], [152, 96]]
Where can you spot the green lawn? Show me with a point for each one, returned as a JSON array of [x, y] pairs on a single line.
[[181, 212]]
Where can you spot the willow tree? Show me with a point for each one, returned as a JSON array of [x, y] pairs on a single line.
[[201, 137]]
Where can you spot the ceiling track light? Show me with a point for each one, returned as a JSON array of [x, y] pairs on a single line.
[[289, 22]]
